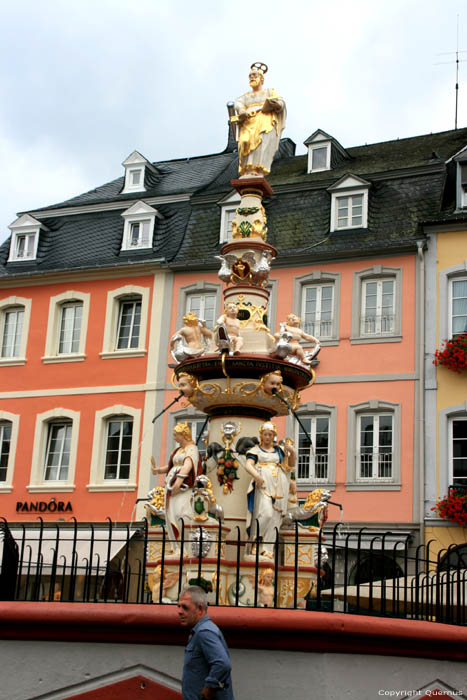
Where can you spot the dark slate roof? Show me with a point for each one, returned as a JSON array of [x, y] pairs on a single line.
[[410, 183]]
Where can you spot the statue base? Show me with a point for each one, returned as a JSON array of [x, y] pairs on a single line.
[[252, 185]]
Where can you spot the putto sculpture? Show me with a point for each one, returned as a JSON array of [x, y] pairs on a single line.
[[188, 341]]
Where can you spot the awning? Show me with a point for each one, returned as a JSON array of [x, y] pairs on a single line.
[[67, 549]]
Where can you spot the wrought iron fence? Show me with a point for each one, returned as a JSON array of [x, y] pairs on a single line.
[[361, 572]]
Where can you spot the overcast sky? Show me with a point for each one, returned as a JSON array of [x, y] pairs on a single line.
[[85, 82]]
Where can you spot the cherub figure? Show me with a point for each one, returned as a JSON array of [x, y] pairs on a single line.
[[187, 342], [229, 330], [187, 383], [271, 382], [266, 588], [291, 328]]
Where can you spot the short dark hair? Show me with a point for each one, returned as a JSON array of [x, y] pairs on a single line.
[[197, 595]]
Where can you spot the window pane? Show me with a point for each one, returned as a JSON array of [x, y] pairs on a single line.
[[129, 325], [459, 306], [5, 440], [57, 458], [70, 328], [304, 451], [318, 158], [12, 329], [118, 449], [135, 177], [459, 451]]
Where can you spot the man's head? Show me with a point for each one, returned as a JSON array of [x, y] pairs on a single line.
[[256, 78], [231, 310], [192, 605]]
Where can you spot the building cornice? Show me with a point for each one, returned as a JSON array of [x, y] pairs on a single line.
[[38, 277], [107, 206]]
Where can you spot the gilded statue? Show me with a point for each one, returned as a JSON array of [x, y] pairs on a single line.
[[260, 118]]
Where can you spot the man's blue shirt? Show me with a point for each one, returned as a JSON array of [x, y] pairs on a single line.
[[207, 662]]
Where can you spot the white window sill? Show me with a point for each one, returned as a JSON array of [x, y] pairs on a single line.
[[128, 249], [122, 353], [112, 486], [324, 342], [6, 488], [12, 361], [51, 359], [374, 485], [368, 339], [312, 485], [22, 260], [54, 486]]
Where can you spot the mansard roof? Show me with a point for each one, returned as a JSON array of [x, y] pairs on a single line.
[[410, 182]]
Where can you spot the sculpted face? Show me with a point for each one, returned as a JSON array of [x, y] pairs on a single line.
[[256, 79], [267, 438], [231, 310], [293, 320], [273, 381], [185, 387], [190, 319]]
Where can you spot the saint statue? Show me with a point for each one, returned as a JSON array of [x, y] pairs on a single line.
[[260, 118]]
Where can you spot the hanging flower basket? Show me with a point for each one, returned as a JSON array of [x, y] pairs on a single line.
[[454, 354], [453, 507]]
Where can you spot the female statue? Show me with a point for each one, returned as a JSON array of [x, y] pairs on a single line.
[[268, 493], [183, 468]]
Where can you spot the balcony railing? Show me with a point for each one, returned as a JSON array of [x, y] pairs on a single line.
[[320, 329], [374, 465], [319, 466], [377, 324], [362, 576]]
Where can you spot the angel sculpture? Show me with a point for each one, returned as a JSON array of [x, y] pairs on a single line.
[[187, 342]]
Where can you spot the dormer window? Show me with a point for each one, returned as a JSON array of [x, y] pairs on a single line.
[[463, 185], [349, 203], [135, 167], [24, 238], [228, 210], [324, 152], [138, 229]]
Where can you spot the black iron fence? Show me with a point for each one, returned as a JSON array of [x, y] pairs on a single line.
[[360, 572]]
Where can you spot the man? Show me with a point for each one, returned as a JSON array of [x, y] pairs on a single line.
[[207, 666], [260, 116]]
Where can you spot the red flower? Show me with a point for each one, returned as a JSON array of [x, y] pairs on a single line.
[[454, 354]]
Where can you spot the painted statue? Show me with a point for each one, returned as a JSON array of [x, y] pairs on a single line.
[[181, 472], [260, 117], [271, 382], [228, 331], [187, 384], [288, 341], [188, 341], [269, 466]]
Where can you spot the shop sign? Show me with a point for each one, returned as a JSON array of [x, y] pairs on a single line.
[[52, 506]]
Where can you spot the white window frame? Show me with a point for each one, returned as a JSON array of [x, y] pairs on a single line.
[[315, 146], [313, 455], [445, 471], [134, 302], [452, 281], [314, 279], [374, 407], [118, 420], [37, 483], [145, 215], [228, 206], [459, 418], [372, 274], [349, 186], [318, 324], [198, 289], [7, 304], [7, 417], [134, 163], [379, 318], [202, 314], [447, 276], [99, 449], [375, 453], [461, 188], [315, 410], [30, 227], [335, 210], [50, 428], [114, 297], [52, 339]]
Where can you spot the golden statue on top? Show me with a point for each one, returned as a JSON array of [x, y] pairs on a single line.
[[260, 119]]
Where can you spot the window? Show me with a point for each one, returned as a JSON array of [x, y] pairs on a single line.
[[461, 185], [458, 306], [312, 461], [129, 324], [196, 422], [316, 301], [24, 238], [57, 455], [376, 305], [67, 327], [126, 322], [459, 452], [12, 331], [317, 310], [228, 210], [118, 448], [5, 443], [349, 203], [138, 227], [115, 449], [9, 425], [319, 157], [135, 167], [14, 324], [373, 446], [70, 327], [204, 306], [350, 211], [54, 451], [316, 464]]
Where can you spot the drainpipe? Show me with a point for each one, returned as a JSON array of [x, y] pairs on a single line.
[[421, 388]]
